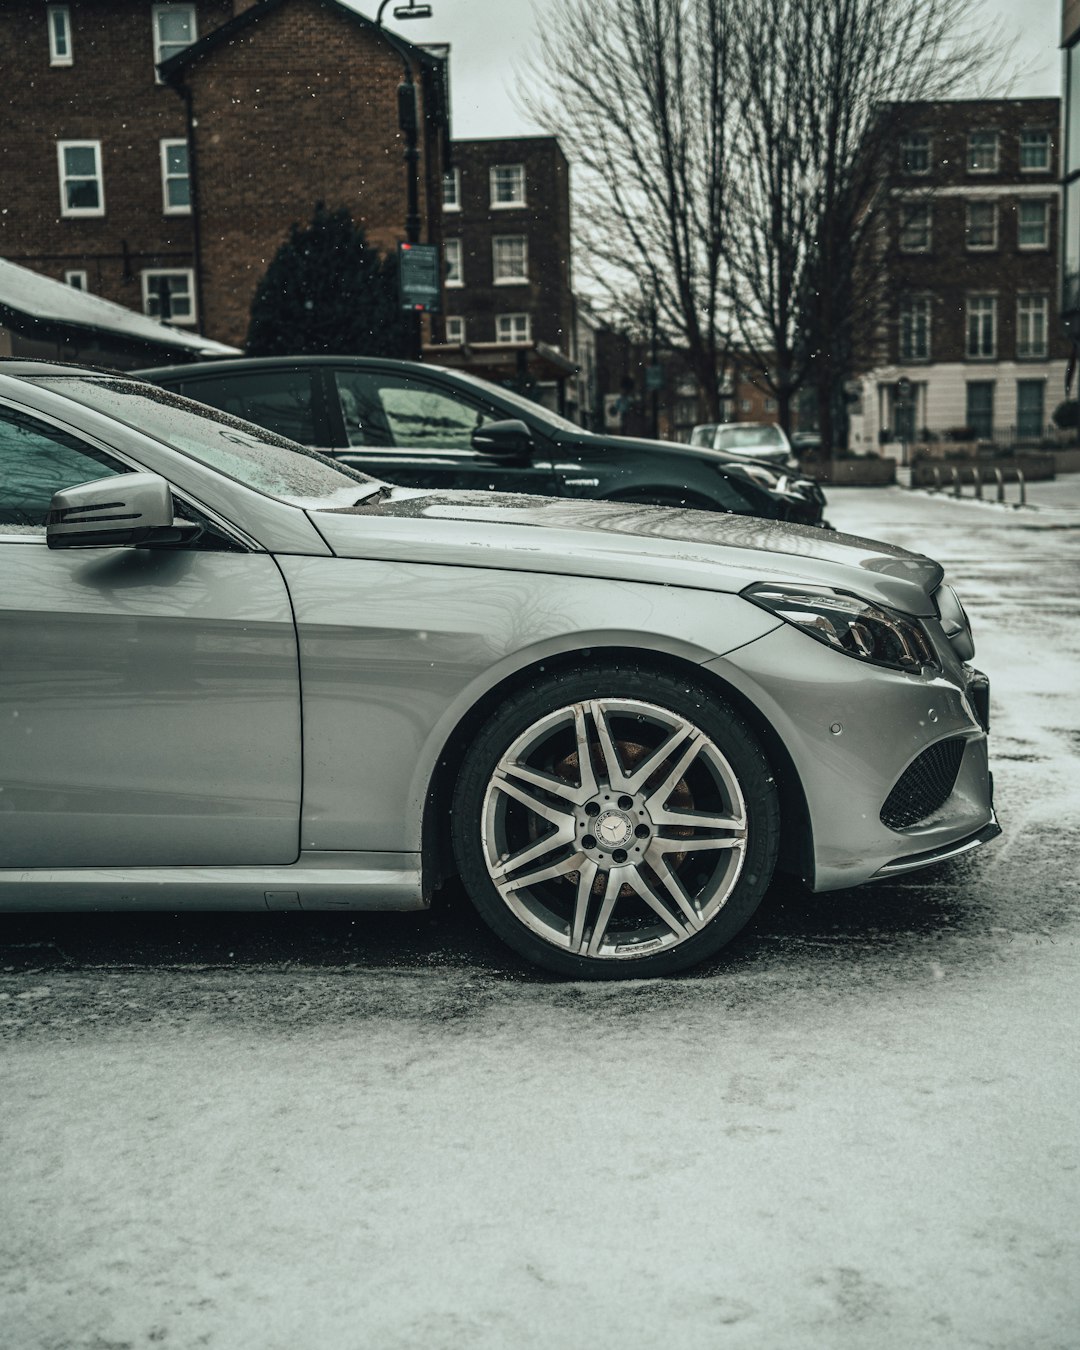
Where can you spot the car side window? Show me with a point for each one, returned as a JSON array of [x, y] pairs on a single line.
[[393, 410], [37, 460], [279, 400]]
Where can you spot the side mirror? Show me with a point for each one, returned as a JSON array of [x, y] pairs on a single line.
[[503, 440], [129, 510]]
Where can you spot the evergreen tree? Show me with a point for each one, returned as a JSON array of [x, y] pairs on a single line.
[[327, 290]]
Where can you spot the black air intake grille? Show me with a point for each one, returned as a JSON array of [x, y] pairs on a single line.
[[924, 785]]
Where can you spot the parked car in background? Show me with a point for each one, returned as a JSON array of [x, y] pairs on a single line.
[[423, 426], [237, 675], [805, 442], [750, 440]]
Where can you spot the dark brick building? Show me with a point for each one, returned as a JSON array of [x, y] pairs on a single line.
[[125, 184], [508, 298], [969, 230]]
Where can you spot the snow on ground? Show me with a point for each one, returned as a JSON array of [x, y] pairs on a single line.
[[857, 1129]]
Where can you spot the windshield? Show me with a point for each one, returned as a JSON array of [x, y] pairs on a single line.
[[729, 437], [703, 435], [259, 459], [520, 401]]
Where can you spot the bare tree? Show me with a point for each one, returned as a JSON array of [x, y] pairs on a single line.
[[638, 92], [729, 159]]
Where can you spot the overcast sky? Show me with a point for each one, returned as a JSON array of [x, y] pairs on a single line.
[[491, 39]]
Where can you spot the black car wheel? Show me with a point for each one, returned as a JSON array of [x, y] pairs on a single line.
[[615, 823]]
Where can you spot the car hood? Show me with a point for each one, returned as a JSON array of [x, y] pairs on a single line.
[[664, 545], [703, 452]]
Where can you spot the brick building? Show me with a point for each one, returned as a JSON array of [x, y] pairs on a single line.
[[152, 147], [509, 301], [971, 344]]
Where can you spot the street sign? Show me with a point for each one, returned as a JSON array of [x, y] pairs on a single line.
[[419, 285], [654, 378]]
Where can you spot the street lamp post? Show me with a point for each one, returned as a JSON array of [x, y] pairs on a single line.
[[408, 123]]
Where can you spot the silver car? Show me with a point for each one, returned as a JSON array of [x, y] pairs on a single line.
[[234, 675], [756, 440]]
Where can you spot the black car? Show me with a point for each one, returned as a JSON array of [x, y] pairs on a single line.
[[423, 426]]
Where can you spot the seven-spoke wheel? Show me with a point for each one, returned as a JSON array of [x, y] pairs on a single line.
[[616, 823]]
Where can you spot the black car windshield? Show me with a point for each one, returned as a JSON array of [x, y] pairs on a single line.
[[259, 459], [526, 405], [729, 437]]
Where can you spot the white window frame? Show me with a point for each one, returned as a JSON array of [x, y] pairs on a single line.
[[454, 177], [83, 283], [454, 257], [63, 14], [1045, 244], [969, 207], [1028, 306], [511, 320], [164, 147], [907, 221], [1046, 141], [98, 177], [145, 276], [911, 309], [459, 326], [516, 202], [517, 278], [969, 314], [924, 141], [156, 11], [988, 168]]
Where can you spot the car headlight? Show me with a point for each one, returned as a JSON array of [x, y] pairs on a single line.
[[856, 627], [757, 473]]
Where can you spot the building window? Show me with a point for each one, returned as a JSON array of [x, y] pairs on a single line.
[[980, 408], [78, 280], [175, 179], [82, 191], [915, 226], [169, 295], [455, 328], [512, 328], [58, 18], [982, 152], [915, 329], [174, 29], [981, 326], [1032, 313], [508, 185], [744, 405], [1034, 151], [1030, 408], [980, 230], [915, 153], [452, 259], [451, 190], [510, 259], [1033, 224]]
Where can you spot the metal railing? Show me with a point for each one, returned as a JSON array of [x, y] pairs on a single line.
[[955, 483]]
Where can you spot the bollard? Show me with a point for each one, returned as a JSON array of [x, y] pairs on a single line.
[[1000, 485], [976, 478], [956, 482], [1023, 488], [937, 478]]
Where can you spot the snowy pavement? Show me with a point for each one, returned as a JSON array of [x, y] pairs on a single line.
[[856, 1128]]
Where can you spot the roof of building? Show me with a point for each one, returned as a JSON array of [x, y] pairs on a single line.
[[40, 298]]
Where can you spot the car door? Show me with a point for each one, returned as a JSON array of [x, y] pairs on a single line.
[[417, 432], [149, 698]]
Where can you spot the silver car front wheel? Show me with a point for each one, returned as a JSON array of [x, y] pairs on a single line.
[[617, 831]]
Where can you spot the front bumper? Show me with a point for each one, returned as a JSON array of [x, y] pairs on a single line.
[[851, 730]]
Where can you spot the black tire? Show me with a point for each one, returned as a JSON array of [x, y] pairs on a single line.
[[642, 711]]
